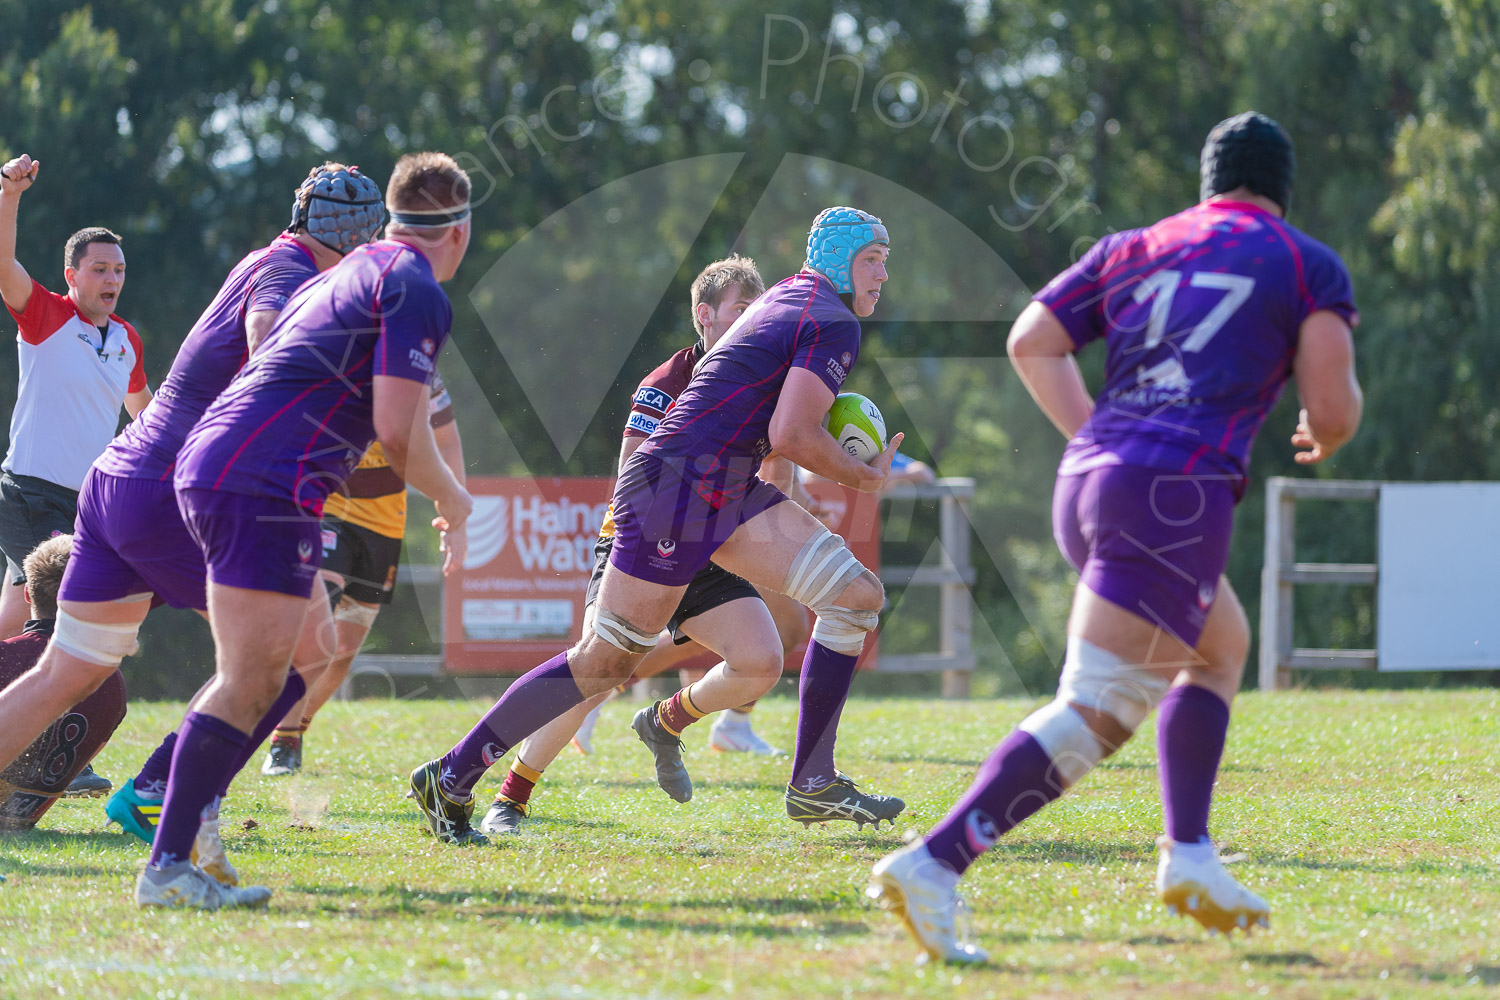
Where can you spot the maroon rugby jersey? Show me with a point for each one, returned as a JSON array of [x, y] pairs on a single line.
[[653, 398]]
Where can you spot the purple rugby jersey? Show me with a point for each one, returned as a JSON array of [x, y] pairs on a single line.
[[294, 422], [1200, 314], [210, 356], [720, 424]]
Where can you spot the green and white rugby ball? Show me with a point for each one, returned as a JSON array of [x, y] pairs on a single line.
[[856, 424]]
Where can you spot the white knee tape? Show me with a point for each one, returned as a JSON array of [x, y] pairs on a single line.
[[105, 645], [821, 571], [1098, 679], [352, 611], [621, 634], [843, 629], [1068, 740]]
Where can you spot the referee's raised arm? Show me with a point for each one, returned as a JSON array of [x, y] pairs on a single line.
[[15, 177]]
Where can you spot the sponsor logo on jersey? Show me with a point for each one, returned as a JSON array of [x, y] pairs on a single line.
[[428, 346], [666, 547], [490, 753], [419, 361], [980, 831], [1205, 595], [649, 395], [304, 550], [330, 540], [640, 422], [847, 359], [838, 372]]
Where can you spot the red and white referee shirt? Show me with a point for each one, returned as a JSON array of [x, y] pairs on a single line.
[[68, 402]]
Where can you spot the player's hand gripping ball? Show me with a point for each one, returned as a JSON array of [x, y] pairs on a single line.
[[856, 424]]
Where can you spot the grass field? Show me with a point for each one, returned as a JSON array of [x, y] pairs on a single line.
[[1370, 822]]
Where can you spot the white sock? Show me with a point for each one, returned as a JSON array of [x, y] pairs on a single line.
[[1200, 853]]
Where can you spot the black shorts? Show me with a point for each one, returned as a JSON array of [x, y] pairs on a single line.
[[711, 587], [31, 511], [366, 559]]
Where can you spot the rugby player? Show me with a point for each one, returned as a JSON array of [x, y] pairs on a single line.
[[135, 542], [39, 776], [717, 606], [348, 362], [1205, 315], [690, 495], [131, 544], [363, 527]]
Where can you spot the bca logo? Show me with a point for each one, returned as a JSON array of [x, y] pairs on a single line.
[[666, 547], [304, 550]]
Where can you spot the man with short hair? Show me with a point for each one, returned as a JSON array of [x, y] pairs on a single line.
[[1205, 316], [348, 363], [719, 611], [79, 364], [363, 528], [35, 780], [690, 496], [132, 539]]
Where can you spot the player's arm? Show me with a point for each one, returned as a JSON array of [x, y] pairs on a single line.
[[15, 177], [1332, 402], [257, 328], [1042, 353], [404, 431], [455, 541], [797, 434], [136, 401], [627, 448]]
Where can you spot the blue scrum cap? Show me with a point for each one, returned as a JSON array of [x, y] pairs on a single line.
[[836, 238], [343, 209]]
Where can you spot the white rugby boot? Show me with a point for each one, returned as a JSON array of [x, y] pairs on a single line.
[[731, 732], [208, 850], [923, 892], [190, 887], [1195, 883]]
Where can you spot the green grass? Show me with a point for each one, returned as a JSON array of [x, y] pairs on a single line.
[[1369, 819]]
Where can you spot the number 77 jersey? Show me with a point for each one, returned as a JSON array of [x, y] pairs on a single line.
[[1200, 314]]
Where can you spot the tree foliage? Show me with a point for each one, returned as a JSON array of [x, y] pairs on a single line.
[[1039, 127]]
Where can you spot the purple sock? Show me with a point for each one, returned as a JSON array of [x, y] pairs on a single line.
[[824, 688], [1191, 727], [207, 748], [531, 702], [1013, 782], [152, 781], [292, 693]]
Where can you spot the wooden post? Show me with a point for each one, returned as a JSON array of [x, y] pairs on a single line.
[[1276, 593], [956, 604]]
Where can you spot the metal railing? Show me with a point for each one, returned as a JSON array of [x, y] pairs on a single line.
[[953, 577], [1282, 572]]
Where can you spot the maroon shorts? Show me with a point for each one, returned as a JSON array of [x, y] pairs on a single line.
[[665, 530], [1153, 542], [258, 543], [129, 539]]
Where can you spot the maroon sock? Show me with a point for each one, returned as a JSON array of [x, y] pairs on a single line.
[[678, 712]]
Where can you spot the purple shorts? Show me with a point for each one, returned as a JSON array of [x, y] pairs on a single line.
[[665, 531], [257, 543], [130, 539], [1152, 541]]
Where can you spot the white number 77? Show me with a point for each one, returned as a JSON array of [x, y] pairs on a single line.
[[1163, 284]]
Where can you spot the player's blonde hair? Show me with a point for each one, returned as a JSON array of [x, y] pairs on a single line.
[[44, 572], [714, 280]]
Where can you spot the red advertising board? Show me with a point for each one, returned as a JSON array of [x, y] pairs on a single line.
[[518, 599]]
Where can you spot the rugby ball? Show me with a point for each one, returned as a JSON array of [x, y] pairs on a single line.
[[856, 424]]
